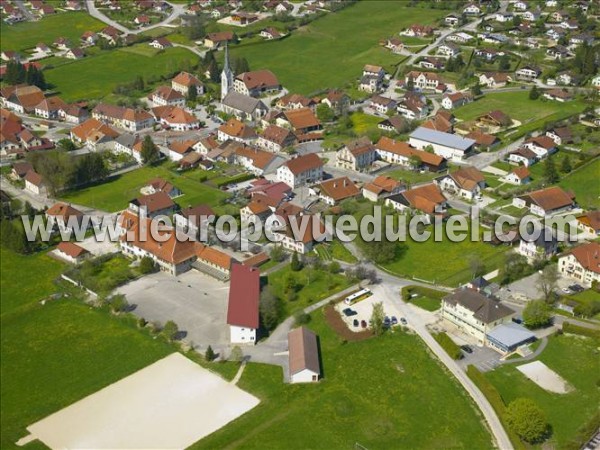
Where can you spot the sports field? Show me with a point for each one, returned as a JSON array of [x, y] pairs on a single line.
[[332, 51], [25, 35], [96, 76]]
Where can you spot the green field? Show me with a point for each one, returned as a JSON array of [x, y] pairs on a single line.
[[425, 298], [332, 50], [531, 113], [115, 194], [383, 392], [314, 285], [418, 260], [26, 35], [340, 252], [584, 182], [96, 76], [15, 275], [574, 358]]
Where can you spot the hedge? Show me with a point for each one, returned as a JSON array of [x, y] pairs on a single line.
[[449, 345], [495, 399], [576, 329], [235, 179]]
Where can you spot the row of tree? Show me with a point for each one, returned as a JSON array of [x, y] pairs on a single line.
[[17, 73]]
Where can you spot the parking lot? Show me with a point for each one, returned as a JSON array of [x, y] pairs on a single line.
[[196, 302], [363, 310]]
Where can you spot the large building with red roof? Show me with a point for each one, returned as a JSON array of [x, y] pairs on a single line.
[[242, 309]]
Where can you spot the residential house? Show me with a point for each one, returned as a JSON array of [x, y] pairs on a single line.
[[256, 83], [161, 43], [218, 39], [75, 53], [442, 121], [184, 81], [194, 218], [242, 306], [528, 73], [560, 135], [73, 114], [372, 78], [21, 98], [523, 156], [542, 146], [394, 44], [176, 118], [504, 17], [423, 80], [398, 152], [237, 131], [467, 182], [494, 80], [177, 150], [303, 353], [111, 35], [417, 30], [427, 199], [474, 313], [559, 95], [335, 190], [449, 146], [303, 242], [430, 62], [472, 9], [449, 50], [93, 133], [496, 118], [122, 117], [164, 95], [460, 37], [518, 176], [538, 248], [153, 205], [582, 264], [413, 106], [296, 101], [63, 217], [301, 170], [452, 20], [270, 33], [71, 252], [35, 183], [381, 187], [451, 101], [382, 105], [489, 54], [483, 141], [89, 38], [20, 169], [357, 155], [142, 20], [275, 138], [394, 124], [336, 100], [589, 222], [129, 144], [303, 121], [50, 107], [206, 144], [546, 202], [254, 160]]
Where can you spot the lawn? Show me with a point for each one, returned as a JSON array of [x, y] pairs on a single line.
[[96, 76], [16, 273], [575, 359], [103, 275], [363, 123], [412, 176], [382, 392], [115, 194], [425, 298], [584, 182], [340, 252], [420, 260], [314, 285], [332, 50], [531, 113], [26, 35]]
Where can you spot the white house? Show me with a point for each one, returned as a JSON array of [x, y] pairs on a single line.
[[546, 202], [449, 146], [540, 248], [242, 308], [71, 252], [303, 356], [467, 182], [301, 170], [582, 263]]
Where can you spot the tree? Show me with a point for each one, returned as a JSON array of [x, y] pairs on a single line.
[[515, 267], [209, 354], [118, 303], [236, 354], [213, 71], [296, 264], [149, 153], [192, 94], [195, 28], [240, 65], [147, 265], [377, 318], [334, 267], [537, 314], [534, 93], [527, 419], [170, 330], [325, 113], [277, 253], [504, 63], [270, 309], [476, 265], [66, 144], [550, 172], [546, 282], [301, 318], [476, 90], [565, 166], [415, 161]]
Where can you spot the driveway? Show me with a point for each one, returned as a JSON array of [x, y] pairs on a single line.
[[196, 302]]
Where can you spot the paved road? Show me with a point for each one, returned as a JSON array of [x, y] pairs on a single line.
[[26, 12], [195, 50], [484, 159], [177, 10]]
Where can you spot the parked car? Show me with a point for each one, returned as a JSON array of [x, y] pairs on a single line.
[[566, 291], [576, 288], [349, 312], [394, 320], [466, 349], [403, 321], [363, 324], [355, 322]]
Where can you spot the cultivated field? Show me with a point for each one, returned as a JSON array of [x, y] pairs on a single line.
[[333, 50], [384, 392], [26, 35]]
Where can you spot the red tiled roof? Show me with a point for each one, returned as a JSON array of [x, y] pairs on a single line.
[[244, 297]]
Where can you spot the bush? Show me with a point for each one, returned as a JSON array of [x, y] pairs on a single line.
[[448, 345], [528, 420], [236, 354], [537, 314], [209, 355], [147, 265], [118, 303], [576, 329], [170, 330], [302, 318]]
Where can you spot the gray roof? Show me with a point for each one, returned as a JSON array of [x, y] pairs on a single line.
[[510, 334], [126, 140], [243, 102], [441, 138], [484, 308]]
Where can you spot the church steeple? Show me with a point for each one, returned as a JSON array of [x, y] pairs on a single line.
[[226, 75]]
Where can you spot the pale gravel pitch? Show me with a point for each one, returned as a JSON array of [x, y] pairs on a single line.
[[544, 377], [168, 405]]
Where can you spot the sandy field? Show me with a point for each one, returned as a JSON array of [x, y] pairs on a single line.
[[168, 405], [544, 377]]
